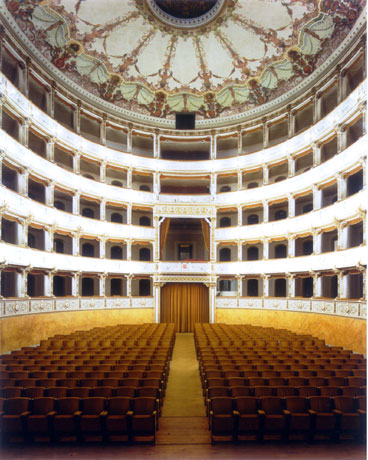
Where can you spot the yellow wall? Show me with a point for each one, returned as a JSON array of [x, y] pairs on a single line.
[[26, 330], [335, 330]]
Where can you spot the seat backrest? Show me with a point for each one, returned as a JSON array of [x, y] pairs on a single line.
[[126, 392], [34, 392], [296, 404], [362, 402], [329, 391], [143, 405], [43, 405], [271, 404], [214, 392], [240, 391], [103, 392], [119, 405], [149, 392], [14, 406], [222, 405], [80, 392], [320, 403], [11, 392], [246, 405], [67, 406], [344, 403]]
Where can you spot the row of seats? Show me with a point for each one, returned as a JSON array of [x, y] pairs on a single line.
[[104, 364], [265, 366], [244, 418], [79, 419]]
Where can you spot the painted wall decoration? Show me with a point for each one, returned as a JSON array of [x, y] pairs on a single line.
[[250, 53]]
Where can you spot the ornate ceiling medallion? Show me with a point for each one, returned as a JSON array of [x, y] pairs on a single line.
[[186, 14]]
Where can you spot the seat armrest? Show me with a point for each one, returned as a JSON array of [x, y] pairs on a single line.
[[312, 412], [236, 412], [103, 413], [52, 413], [77, 413], [129, 413], [262, 412], [286, 412], [362, 412], [25, 414], [337, 412]]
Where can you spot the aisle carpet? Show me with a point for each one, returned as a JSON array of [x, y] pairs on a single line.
[[184, 396]]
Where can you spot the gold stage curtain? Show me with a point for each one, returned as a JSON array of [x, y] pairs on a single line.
[[184, 304], [206, 235], [164, 229]]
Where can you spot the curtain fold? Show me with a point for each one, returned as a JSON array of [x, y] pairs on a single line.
[[184, 304], [164, 230], [206, 235]]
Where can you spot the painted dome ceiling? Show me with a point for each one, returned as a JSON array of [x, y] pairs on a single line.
[[154, 58]]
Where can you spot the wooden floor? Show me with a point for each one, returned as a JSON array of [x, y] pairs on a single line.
[[183, 432]]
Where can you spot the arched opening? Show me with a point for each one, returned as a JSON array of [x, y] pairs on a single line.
[[117, 218], [144, 254], [59, 286], [307, 287], [144, 287], [252, 253], [225, 188], [280, 214], [117, 183], [253, 185], [144, 188], [308, 248], [225, 255], [225, 222], [116, 286], [280, 251], [87, 287], [145, 221], [280, 287], [116, 252], [252, 288], [59, 246], [252, 219], [88, 250], [307, 208], [88, 212], [59, 205]]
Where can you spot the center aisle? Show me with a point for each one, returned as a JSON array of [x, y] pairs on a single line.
[[183, 418]]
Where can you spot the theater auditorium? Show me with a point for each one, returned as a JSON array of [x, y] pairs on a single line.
[[183, 229]]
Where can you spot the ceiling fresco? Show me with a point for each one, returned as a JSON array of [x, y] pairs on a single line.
[[250, 53]]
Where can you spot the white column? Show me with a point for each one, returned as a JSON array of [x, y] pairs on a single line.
[[156, 184], [343, 236], [341, 138], [240, 142], [76, 203], [156, 144], [51, 100], [291, 122], [50, 149], [75, 284], [317, 242], [265, 174], [103, 209], [103, 172], [103, 129], [240, 178], [266, 134], [49, 192], [24, 131], [213, 146], [316, 154], [291, 285], [76, 244], [291, 166], [266, 248], [77, 117], [129, 249], [291, 205], [240, 248], [266, 286], [317, 197], [129, 285], [265, 211], [342, 281], [129, 139], [49, 243], [213, 185], [317, 285], [240, 216], [129, 177], [49, 284], [157, 294], [291, 246], [102, 244], [212, 289], [76, 162], [129, 214], [102, 284], [22, 283], [341, 187]]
